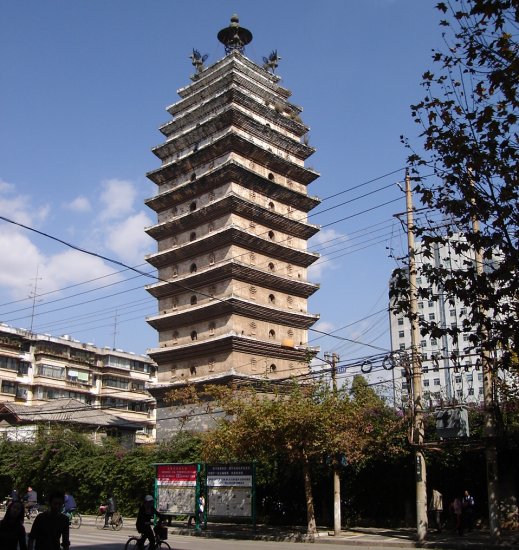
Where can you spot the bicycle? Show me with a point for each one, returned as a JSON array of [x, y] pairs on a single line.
[[115, 522], [135, 542], [74, 519], [31, 512]]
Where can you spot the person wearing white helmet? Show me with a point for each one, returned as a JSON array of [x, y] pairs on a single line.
[[145, 521]]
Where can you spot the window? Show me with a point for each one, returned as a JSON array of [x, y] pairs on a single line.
[[426, 383], [192, 236], [193, 176], [470, 378], [402, 346], [400, 321], [452, 313], [212, 328], [211, 259], [424, 358], [421, 317], [480, 391], [272, 235], [436, 381], [463, 311], [290, 302], [192, 206], [10, 363], [194, 300], [272, 299], [175, 337], [418, 280], [480, 377], [8, 387], [273, 367], [432, 317], [272, 333], [271, 205], [113, 382], [51, 371], [434, 342], [192, 269], [401, 334], [420, 305], [271, 266], [194, 335], [431, 303], [423, 343], [459, 393], [471, 391], [458, 379], [271, 176], [466, 337]]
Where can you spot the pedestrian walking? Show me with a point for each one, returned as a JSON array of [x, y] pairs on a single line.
[[457, 508], [468, 510], [436, 507], [51, 528], [12, 531]]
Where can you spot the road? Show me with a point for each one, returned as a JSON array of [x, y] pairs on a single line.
[[89, 538]]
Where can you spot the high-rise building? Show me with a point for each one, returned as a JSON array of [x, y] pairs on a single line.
[[232, 226], [451, 369]]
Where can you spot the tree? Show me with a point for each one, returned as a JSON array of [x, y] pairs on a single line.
[[469, 127], [300, 424]]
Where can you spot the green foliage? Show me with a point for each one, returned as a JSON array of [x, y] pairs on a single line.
[[469, 120], [63, 459]]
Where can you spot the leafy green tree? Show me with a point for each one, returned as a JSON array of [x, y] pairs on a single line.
[[301, 425], [469, 122]]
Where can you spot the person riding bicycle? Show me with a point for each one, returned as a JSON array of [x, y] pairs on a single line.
[[69, 506], [30, 499], [145, 521]]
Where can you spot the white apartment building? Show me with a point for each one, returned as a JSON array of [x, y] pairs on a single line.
[[38, 369], [451, 371]]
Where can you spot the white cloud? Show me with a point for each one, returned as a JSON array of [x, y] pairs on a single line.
[[324, 326], [117, 199], [324, 243], [20, 208], [79, 204], [128, 240]]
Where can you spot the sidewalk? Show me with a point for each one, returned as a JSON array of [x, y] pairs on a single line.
[[358, 536], [403, 537]]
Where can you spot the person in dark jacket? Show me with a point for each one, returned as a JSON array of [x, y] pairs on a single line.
[[12, 531], [145, 521], [50, 528], [111, 508]]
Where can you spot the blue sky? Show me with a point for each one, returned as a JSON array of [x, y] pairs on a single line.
[[84, 87]]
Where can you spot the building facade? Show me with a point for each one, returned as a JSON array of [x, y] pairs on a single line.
[[232, 227], [36, 369], [451, 369]]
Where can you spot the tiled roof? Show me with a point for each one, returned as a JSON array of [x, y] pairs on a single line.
[[66, 411]]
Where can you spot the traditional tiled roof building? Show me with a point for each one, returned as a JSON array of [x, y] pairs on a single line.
[[232, 226]]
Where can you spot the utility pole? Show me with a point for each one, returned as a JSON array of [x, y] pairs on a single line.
[[34, 295], [333, 360], [115, 329], [490, 421], [416, 370]]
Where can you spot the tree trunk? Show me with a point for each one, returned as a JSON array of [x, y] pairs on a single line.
[[310, 512]]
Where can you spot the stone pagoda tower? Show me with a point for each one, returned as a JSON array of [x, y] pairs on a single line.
[[232, 225]]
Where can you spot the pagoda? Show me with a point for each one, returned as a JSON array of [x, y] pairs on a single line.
[[232, 228]]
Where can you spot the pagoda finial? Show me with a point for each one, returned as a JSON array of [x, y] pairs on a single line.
[[234, 37]]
